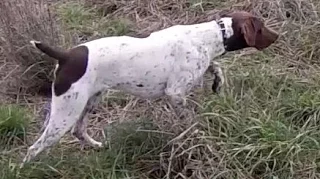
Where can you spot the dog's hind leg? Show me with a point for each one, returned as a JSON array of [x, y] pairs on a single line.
[[218, 80], [65, 112], [80, 129]]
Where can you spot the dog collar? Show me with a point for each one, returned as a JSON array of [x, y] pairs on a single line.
[[223, 30], [224, 34]]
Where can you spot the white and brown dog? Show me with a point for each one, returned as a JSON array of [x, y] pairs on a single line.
[[168, 62]]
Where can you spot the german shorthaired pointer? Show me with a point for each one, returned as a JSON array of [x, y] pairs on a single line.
[[168, 62]]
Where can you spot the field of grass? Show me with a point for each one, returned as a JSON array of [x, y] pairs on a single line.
[[264, 124]]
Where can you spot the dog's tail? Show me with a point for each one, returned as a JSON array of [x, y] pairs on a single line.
[[54, 53]]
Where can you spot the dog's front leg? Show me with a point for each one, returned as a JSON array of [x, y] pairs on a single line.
[[218, 80], [178, 85]]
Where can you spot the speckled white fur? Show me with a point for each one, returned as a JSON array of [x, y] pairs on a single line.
[[168, 62]]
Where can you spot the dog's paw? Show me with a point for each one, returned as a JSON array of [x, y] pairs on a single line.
[[21, 165], [96, 144], [99, 145], [34, 43]]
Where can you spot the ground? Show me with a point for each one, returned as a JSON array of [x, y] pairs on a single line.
[[264, 124]]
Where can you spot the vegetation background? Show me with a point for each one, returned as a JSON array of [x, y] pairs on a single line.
[[265, 124]]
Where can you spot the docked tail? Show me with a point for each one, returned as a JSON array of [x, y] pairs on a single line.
[[56, 54]]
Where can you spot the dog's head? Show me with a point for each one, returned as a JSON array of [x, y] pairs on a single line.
[[249, 31]]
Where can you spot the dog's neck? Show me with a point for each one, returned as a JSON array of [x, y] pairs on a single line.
[[212, 36], [226, 28]]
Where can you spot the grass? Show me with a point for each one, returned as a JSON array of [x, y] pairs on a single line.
[[264, 124], [267, 123], [25, 69], [13, 124], [88, 24], [129, 144], [203, 5]]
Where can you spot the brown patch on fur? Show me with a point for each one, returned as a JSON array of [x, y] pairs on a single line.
[[72, 65], [71, 70], [249, 31]]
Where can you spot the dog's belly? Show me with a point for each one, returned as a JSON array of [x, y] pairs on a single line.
[[138, 83], [143, 90]]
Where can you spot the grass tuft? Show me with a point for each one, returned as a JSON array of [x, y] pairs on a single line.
[[13, 123]]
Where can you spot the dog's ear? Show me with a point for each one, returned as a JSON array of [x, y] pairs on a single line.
[[250, 28]]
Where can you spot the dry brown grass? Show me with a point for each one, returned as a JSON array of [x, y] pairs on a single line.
[[192, 151], [26, 70], [297, 19], [149, 16]]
